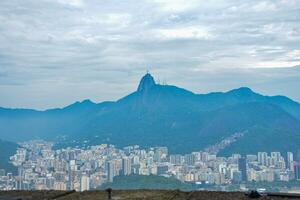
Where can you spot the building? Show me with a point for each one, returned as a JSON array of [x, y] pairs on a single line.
[[237, 177], [262, 158], [58, 185], [160, 154], [243, 168], [276, 155], [204, 156], [88, 168], [176, 159], [84, 183], [297, 171], [162, 169], [111, 170], [50, 182], [290, 159], [126, 166], [189, 159]]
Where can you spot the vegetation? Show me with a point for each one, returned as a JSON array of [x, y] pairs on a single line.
[[7, 149], [146, 182]]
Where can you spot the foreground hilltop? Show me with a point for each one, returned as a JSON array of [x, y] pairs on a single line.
[[166, 115], [130, 195]]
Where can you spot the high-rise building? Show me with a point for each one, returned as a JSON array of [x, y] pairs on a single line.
[[58, 185], [297, 171], [189, 159], [50, 182], [276, 157], [111, 170], [204, 156], [243, 168], [176, 159], [262, 158], [222, 168], [237, 177], [84, 183], [136, 160], [18, 183], [160, 154], [290, 159], [72, 176], [72, 165], [126, 166]]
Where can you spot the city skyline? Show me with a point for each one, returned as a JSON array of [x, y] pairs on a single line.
[[81, 169]]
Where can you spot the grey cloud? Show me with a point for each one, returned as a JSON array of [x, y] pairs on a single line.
[[101, 48]]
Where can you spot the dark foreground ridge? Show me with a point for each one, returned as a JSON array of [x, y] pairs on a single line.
[[133, 194]]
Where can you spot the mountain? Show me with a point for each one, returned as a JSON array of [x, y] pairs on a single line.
[[7, 149], [166, 115]]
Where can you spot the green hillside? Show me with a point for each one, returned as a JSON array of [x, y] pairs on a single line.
[[7, 149], [146, 182]]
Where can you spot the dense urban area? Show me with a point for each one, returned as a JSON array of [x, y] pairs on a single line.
[[41, 167]]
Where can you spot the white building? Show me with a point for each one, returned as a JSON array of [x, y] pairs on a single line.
[[126, 166], [84, 183]]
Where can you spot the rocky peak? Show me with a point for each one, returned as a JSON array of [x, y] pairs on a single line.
[[146, 83]]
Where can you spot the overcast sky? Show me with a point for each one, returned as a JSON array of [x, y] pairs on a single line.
[[55, 52]]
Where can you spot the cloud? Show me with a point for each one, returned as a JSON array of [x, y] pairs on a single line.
[[264, 6], [100, 49], [177, 5], [184, 33], [75, 3]]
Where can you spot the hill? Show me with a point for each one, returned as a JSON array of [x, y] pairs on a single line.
[[132, 194], [7, 149], [165, 115], [146, 182]]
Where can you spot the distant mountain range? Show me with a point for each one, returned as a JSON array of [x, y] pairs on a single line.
[[157, 115]]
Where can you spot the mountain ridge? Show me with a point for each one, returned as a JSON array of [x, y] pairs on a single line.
[[89, 101], [166, 115]]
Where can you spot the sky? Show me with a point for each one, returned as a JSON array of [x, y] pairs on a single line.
[[56, 52]]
